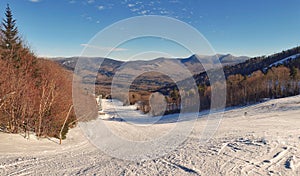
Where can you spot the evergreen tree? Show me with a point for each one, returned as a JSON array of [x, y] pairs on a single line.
[[10, 39]]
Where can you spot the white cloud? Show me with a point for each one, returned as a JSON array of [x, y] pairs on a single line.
[[174, 1], [134, 9], [103, 48], [34, 0], [90, 1], [101, 7], [143, 12]]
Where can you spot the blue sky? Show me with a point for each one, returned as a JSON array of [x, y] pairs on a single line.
[[239, 27]]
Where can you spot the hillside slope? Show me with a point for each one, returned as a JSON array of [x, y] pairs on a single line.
[[247, 67], [263, 142]]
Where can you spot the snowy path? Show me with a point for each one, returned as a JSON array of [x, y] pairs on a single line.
[[265, 142]]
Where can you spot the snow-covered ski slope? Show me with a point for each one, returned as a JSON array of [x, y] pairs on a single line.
[[265, 141], [280, 62]]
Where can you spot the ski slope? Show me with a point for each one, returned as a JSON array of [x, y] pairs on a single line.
[[265, 141], [282, 61]]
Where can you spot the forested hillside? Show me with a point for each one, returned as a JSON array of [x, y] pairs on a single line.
[[35, 94], [249, 82], [259, 63]]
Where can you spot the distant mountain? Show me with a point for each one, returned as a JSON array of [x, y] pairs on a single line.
[[193, 64], [107, 64], [230, 59], [223, 58], [165, 69]]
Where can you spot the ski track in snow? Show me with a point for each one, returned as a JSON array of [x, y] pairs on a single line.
[[280, 62], [264, 142]]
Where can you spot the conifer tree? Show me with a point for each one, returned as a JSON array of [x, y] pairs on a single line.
[[10, 38]]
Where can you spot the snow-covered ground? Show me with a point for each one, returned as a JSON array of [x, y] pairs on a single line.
[[263, 141], [280, 62], [114, 109]]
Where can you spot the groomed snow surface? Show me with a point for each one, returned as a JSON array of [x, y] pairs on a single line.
[[263, 141], [282, 61]]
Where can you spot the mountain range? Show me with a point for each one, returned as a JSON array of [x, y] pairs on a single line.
[[147, 75], [141, 78]]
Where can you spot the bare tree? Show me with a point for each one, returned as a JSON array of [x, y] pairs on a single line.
[[46, 102]]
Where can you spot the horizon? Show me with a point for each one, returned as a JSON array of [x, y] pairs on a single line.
[[149, 59], [228, 26]]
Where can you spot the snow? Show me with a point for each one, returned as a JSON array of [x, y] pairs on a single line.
[[114, 109], [263, 141], [280, 62]]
